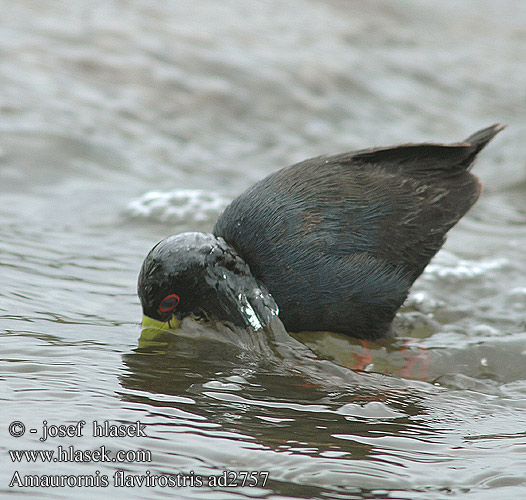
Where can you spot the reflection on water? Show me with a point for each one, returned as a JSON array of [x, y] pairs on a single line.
[[123, 122], [311, 414], [286, 403]]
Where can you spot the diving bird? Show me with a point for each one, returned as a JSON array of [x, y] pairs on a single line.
[[332, 243]]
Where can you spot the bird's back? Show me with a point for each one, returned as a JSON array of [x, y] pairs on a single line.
[[339, 240]]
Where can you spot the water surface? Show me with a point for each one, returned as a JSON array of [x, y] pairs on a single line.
[[125, 121]]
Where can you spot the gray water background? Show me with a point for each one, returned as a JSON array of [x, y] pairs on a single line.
[[124, 121]]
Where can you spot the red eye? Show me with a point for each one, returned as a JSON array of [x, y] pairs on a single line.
[[169, 303]]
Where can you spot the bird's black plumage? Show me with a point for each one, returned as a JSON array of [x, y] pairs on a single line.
[[339, 240], [208, 277]]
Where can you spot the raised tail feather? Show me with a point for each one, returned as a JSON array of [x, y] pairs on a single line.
[[478, 141], [427, 158]]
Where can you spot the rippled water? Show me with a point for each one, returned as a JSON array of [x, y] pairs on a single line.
[[125, 121]]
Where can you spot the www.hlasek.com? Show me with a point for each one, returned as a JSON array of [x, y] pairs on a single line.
[[119, 478], [71, 454]]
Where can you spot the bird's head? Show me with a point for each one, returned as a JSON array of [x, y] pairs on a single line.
[[200, 274]]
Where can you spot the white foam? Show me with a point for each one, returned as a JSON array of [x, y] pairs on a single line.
[[449, 266], [177, 206]]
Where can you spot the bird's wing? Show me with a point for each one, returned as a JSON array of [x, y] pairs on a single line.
[[351, 232]]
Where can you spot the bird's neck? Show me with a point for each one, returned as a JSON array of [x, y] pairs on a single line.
[[235, 295]]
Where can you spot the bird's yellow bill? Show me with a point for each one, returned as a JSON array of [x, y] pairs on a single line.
[[153, 329], [148, 322]]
